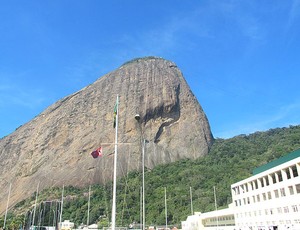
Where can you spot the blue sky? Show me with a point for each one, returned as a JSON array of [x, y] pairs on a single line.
[[240, 58]]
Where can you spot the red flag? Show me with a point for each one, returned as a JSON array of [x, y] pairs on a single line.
[[97, 153]]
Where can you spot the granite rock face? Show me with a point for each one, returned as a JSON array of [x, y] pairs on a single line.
[[54, 148]]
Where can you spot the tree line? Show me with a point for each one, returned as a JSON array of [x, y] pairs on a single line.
[[229, 161]]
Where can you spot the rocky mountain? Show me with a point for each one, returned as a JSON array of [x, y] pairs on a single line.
[[54, 148]]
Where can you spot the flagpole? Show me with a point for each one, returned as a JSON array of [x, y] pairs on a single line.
[[88, 214], [191, 195], [143, 182], [166, 211], [36, 196], [141, 206], [113, 218], [216, 207], [61, 207], [7, 206]]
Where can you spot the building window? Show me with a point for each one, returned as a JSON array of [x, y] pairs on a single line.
[[294, 170], [291, 190], [256, 184], [273, 178], [253, 198], [234, 191], [253, 185], [288, 174], [295, 208], [258, 198], [262, 182], [281, 222], [298, 188], [276, 193], [266, 211], [279, 210], [282, 192], [242, 189], [279, 176], [264, 196], [269, 196], [286, 209], [267, 180]]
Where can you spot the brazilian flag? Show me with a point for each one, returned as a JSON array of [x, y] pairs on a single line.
[[115, 112]]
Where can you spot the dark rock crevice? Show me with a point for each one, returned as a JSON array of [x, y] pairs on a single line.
[[174, 115]]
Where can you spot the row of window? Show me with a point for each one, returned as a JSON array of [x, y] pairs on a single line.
[[260, 225], [282, 192], [270, 211], [219, 221], [221, 218], [273, 178]]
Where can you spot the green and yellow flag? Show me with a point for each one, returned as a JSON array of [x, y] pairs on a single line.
[[115, 112]]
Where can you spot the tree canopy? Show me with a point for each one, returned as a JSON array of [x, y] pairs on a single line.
[[229, 161]]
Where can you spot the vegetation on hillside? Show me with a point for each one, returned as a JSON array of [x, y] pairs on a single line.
[[139, 59], [229, 161]]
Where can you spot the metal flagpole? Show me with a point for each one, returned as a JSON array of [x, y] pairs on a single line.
[[36, 196], [113, 218], [191, 195], [143, 173], [143, 143], [166, 211], [215, 196], [141, 206], [7, 206], [88, 214], [61, 207]]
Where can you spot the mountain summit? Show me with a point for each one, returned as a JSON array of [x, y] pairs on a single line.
[[54, 148]]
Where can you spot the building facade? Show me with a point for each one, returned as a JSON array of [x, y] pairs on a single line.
[[270, 199]]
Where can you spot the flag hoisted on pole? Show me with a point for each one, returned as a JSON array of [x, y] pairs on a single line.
[[116, 111], [113, 214], [97, 153]]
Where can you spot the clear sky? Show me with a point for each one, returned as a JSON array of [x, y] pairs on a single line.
[[240, 58]]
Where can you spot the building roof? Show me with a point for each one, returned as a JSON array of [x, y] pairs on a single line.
[[279, 161]]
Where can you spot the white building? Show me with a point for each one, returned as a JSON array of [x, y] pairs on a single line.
[[192, 222], [220, 220], [270, 199], [67, 225]]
